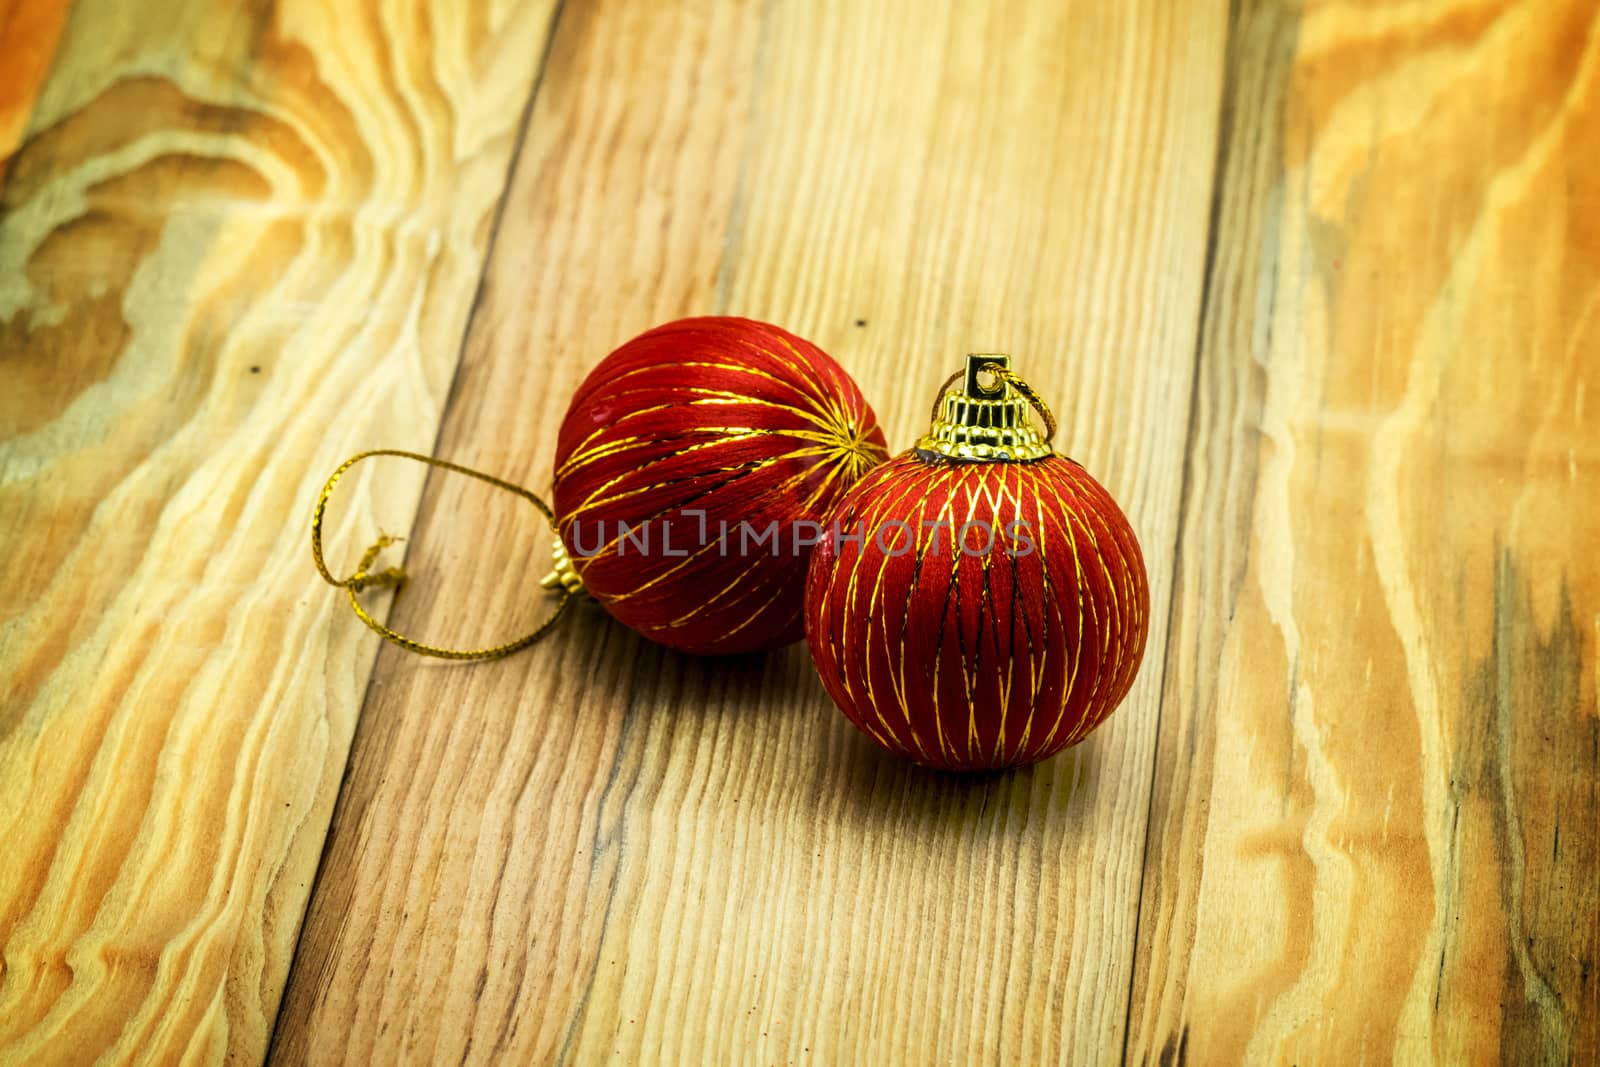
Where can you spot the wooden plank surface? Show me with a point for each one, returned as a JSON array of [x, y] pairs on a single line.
[[605, 850], [236, 239], [1376, 822], [1314, 287]]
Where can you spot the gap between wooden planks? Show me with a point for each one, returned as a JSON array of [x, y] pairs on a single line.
[[604, 849]]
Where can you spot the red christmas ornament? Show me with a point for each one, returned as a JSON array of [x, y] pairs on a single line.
[[695, 468], [980, 602]]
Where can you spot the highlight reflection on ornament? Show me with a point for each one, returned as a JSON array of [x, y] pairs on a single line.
[[984, 601]]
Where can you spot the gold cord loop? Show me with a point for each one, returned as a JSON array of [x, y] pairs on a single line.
[[938, 397], [396, 576]]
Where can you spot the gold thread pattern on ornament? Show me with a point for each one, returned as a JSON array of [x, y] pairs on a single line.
[[1089, 611], [831, 434]]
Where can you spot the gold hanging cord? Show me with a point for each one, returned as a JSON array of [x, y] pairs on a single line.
[[394, 576]]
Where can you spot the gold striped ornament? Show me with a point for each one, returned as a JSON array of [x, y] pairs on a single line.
[[981, 602]]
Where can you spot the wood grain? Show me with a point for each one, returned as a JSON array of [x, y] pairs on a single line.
[[1375, 832], [235, 240], [1314, 287], [29, 33], [604, 850]]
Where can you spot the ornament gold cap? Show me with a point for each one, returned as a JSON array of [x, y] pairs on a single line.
[[564, 575], [987, 423]]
